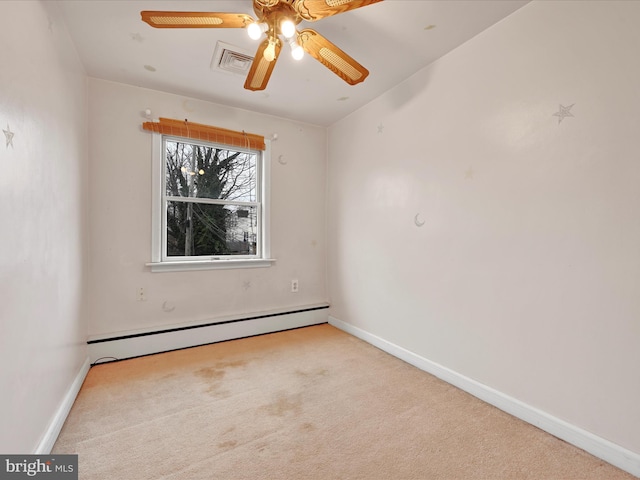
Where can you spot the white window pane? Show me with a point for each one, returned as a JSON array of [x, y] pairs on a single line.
[[196, 229], [200, 171]]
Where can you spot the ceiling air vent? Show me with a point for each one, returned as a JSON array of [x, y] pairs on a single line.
[[231, 59]]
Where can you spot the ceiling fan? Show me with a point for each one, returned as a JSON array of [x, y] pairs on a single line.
[[276, 18]]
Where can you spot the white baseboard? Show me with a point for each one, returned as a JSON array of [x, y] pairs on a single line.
[[597, 446], [118, 347], [53, 430]]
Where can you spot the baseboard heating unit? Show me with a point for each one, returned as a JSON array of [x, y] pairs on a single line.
[[107, 348]]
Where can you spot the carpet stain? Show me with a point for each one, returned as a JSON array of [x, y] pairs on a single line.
[[234, 364], [229, 444], [210, 373], [218, 370], [307, 427], [284, 404], [261, 447], [214, 374], [218, 392], [318, 372]]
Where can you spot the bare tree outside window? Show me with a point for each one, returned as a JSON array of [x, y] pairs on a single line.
[[211, 200]]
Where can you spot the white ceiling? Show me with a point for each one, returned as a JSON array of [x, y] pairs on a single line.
[[393, 39]]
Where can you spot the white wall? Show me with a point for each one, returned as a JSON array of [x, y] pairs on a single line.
[[526, 273], [42, 207], [120, 221]]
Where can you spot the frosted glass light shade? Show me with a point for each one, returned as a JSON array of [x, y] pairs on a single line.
[[255, 30], [297, 52], [287, 28], [270, 52]]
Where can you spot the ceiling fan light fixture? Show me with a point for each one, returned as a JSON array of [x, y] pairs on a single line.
[[297, 52], [256, 29], [277, 20], [287, 28]]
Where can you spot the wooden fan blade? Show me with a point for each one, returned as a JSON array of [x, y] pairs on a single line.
[[195, 19], [261, 69], [332, 57], [312, 10]]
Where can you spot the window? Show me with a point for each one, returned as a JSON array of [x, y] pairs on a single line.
[[210, 208]]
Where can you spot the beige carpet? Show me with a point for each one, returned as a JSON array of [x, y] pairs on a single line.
[[313, 403]]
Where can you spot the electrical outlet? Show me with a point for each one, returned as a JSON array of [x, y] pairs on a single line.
[[294, 285], [141, 294]]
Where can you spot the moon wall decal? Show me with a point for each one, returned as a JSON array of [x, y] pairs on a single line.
[[417, 221]]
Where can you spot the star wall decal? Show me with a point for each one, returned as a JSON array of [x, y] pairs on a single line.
[[9, 136], [564, 112], [380, 128]]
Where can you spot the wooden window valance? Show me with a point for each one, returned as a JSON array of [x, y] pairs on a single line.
[[184, 128]]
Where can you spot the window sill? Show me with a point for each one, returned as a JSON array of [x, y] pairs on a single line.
[[210, 264]]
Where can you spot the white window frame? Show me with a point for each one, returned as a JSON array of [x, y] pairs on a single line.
[[160, 262]]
